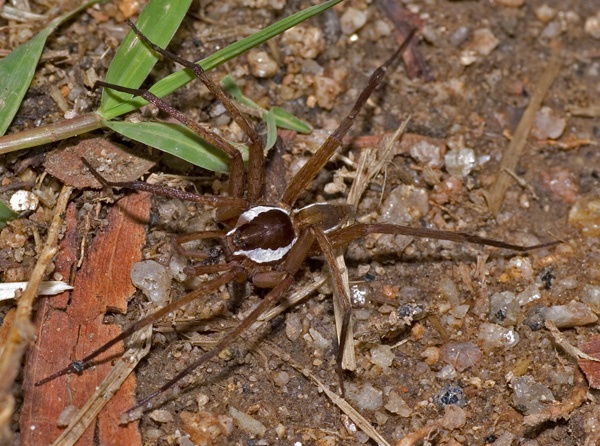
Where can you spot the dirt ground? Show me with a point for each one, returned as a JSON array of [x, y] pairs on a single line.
[[440, 353]]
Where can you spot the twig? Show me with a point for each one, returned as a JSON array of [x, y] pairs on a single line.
[[566, 346], [341, 403], [495, 196], [22, 330], [140, 346]]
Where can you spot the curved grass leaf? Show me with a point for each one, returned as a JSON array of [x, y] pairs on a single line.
[[175, 139], [269, 118], [176, 80], [17, 69], [286, 120], [6, 214], [283, 119], [134, 60]]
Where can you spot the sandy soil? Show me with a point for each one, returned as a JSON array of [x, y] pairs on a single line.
[[484, 61]]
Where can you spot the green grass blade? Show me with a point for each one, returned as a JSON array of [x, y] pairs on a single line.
[[6, 214], [269, 118], [286, 120], [176, 80], [17, 69], [134, 60], [228, 84], [175, 139], [283, 119]]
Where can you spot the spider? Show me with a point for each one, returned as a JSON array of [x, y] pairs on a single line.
[[267, 239]]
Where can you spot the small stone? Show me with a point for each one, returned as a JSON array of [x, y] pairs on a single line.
[[591, 297], [547, 124], [262, 65], [366, 397], [446, 373], [530, 396], [504, 309], [460, 162], [459, 36], [304, 41], [551, 31], [494, 336], [431, 355], [545, 13], [293, 326], [382, 355], [319, 340], [326, 91], [24, 200], [152, 279], [450, 394], [461, 355], [561, 183], [405, 204], [592, 26], [454, 417], [574, 314], [585, 215], [529, 294], [460, 311], [397, 405], [247, 423], [520, 268], [352, 20], [281, 378], [66, 416], [483, 42], [427, 153], [449, 291], [202, 399], [280, 430], [505, 439], [161, 416], [206, 427]]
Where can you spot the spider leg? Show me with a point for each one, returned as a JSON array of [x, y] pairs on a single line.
[[210, 200], [316, 163], [289, 267], [255, 169], [237, 172], [206, 288], [270, 299], [343, 298], [201, 255], [343, 236]]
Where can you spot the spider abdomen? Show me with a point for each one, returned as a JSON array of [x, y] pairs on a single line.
[[263, 234]]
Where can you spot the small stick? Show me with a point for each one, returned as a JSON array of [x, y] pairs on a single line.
[[495, 196], [22, 329]]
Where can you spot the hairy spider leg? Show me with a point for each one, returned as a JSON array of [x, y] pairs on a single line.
[[208, 287], [256, 161], [209, 200], [288, 269], [316, 163], [343, 236]]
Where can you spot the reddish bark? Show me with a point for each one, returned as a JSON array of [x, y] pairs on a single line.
[[71, 325]]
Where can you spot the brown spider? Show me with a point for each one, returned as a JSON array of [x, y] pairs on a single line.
[[268, 239]]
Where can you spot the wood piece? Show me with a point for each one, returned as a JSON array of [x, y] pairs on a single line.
[[495, 196], [22, 330], [71, 327]]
